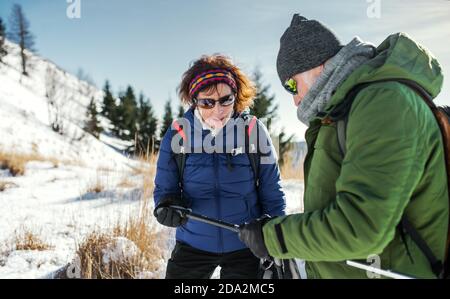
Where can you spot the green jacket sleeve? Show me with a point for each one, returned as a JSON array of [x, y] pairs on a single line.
[[382, 166]]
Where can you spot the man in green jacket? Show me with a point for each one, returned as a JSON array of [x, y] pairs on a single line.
[[393, 165]]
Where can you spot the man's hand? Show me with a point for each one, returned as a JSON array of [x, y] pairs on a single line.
[[251, 234], [168, 216]]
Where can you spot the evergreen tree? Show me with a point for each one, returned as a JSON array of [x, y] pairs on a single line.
[[20, 34], [109, 103], [126, 114], [3, 51], [92, 124], [265, 108], [167, 119], [147, 126], [264, 103], [180, 111]]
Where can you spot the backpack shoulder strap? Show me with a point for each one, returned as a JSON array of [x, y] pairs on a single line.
[[340, 115], [180, 158], [252, 153], [341, 112], [405, 226]]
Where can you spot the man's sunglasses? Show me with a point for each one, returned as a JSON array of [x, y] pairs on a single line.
[[291, 86], [211, 103]]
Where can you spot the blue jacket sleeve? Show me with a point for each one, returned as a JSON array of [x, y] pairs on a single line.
[[166, 178], [271, 194]]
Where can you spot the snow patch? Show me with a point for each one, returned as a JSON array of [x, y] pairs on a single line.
[[119, 250]]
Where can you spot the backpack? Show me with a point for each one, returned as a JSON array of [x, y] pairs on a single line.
[[340, 116]]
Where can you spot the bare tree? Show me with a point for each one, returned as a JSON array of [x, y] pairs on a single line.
[[19, 32], [54, 100]]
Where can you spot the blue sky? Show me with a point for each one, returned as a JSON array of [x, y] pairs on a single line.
[[150, 43]]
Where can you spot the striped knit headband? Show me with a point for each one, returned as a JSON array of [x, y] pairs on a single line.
[[211, 77]]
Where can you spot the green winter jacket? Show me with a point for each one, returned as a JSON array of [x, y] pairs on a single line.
[[394, 165]]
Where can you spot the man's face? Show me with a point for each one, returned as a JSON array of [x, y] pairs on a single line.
[[304, 82]]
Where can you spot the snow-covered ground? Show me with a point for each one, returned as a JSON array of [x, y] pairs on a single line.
[[52, 203], [55, 200]]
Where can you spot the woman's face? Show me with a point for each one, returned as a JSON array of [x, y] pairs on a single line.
[[218, 116]]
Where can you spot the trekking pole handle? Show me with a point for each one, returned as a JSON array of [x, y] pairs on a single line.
[[185, 212], [179, 209]]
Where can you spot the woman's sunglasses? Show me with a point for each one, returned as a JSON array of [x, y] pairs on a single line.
[[291, 86], [211, 103]]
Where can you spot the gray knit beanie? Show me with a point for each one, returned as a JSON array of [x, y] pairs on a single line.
[[305, 45]]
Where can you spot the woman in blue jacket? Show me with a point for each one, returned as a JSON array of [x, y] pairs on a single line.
[[218, 180]]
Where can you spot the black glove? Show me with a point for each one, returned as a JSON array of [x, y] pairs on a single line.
[[168, 216], [251, 234]]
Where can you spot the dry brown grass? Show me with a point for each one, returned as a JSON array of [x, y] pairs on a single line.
[[147, 258], [126, 183], [138, 229], [147, 170], [291, 172], [25, 239], [98, 185], [16, 162]]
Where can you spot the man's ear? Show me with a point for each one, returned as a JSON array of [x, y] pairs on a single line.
[[320, 68]]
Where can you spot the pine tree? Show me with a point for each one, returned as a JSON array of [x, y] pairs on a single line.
[[147, 126], [180, 111], [264, 104], [21, 35], [92, 124], [265, 108], [126, 113], [109, 103], [3, 51], [167, 119]]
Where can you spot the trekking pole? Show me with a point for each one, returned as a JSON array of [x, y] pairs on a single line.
[[185, 212], [385, 273]]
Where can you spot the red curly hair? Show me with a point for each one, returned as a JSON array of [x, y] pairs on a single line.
[[246, 90]]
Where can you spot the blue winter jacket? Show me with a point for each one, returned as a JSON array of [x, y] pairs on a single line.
[[218, 185]]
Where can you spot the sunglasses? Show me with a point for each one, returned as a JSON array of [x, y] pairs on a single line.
[[291, 86], [211, 103]]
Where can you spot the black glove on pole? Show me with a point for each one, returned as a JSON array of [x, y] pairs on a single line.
[[252, 236], [168, 216]]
